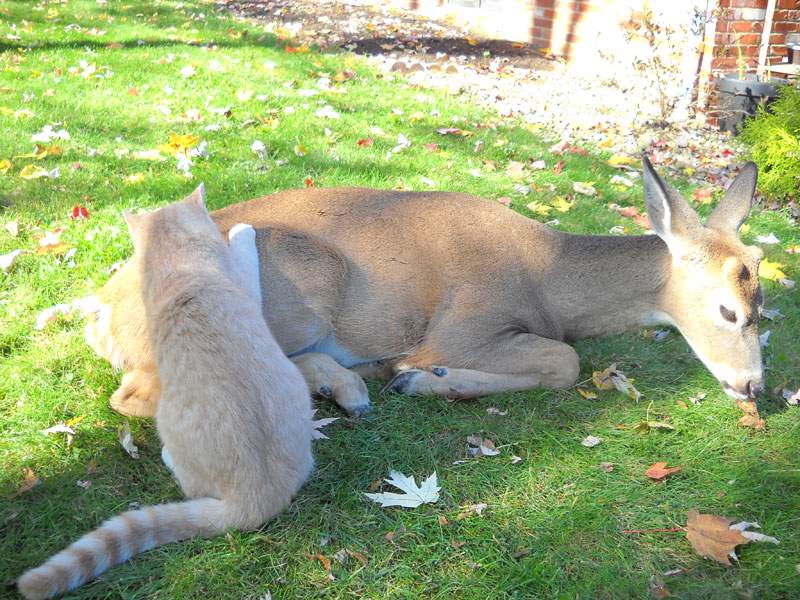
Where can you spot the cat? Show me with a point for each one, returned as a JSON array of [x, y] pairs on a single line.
[[234, 413]]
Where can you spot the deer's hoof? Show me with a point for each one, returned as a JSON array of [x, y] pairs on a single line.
[[402, 382]]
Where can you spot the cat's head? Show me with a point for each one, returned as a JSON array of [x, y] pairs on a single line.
[[176, 226]]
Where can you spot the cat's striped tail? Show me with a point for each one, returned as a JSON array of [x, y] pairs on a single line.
[[120, 538]]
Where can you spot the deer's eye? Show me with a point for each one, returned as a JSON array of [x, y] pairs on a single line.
[[727, 314]]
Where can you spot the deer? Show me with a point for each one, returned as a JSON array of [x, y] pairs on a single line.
[[442, 293]]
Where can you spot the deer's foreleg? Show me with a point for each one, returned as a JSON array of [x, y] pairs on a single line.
[[518, 362], [329, 379]]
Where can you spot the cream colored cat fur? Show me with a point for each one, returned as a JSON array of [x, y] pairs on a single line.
[[234, 413]]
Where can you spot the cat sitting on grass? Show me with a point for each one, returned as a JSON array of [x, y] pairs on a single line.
[[235, 413]]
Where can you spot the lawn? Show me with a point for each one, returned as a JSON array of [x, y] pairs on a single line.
[[263, 114]]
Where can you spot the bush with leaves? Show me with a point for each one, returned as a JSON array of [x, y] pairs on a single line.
[[774, 139]]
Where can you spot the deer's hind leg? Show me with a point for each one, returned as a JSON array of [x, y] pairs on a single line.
[[512, 362]]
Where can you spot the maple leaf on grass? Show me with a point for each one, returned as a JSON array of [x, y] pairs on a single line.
[[659, 471], [318, 424], [714, 537], [751, 418], [414, 495]]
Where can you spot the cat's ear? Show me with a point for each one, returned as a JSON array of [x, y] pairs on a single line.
[[134, 222], [197, 197]]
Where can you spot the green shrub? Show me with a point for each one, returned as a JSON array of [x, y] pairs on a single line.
[[774, 139]]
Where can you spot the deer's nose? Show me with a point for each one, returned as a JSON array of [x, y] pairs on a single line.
[[754, 388]]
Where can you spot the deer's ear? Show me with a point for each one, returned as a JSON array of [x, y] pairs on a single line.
[[197, 197], [734, 207], [672, 218]]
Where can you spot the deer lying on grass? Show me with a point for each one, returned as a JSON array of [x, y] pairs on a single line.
[[452, 295]]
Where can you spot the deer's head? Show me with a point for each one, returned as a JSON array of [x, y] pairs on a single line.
[[712, 294]]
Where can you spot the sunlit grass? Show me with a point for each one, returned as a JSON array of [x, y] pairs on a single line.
[[554, 522]]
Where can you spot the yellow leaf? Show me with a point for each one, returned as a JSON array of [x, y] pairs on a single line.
[[5, 165], [40, 152], [561, 205], [771, 270], [744, 229], [179, 143], [300, 150], [135, 178], [539, 209], [472, 41], [621, 160], [33, 172], [588, 394]]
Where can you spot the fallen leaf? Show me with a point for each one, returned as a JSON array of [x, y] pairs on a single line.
[[83, 483], [659, 471], [751, 418], [472, 509], [515, 169], [792, 398], [316, 434], [607, 467], [481, 446], [612, 378], [179, 144], [768, 239], [5, 165], [79, 212], [343, 76], [588, 394], [443, 521], [126, 439], [591, 441], [300, 150], [493, 410], [33, 172], [622, 160], [585, 188], [703, 196], [50, 315], [308, 182], [12, 227], [427, 493], [771, 270], [647, 426], [364, 143], [559, 166], [714, 537], [657, 588], [29, 482], [7, 261], [561, 205], [326, 564], [515, 460]]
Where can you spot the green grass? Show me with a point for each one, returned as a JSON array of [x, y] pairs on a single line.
[[557, 504]]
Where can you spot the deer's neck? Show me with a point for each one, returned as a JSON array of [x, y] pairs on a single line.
[[608, 285]]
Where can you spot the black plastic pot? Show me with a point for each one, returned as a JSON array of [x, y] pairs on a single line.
[[740, 98]]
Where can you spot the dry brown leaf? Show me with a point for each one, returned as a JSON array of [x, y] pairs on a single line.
[[751, 418], [714, 537], [612, 378], [358, 556], [29, 481], [326, 564], [660, 471]]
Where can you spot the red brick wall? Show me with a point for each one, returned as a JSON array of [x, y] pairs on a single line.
[[740, 24]]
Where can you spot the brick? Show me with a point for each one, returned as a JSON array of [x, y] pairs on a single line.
[[787, 4], [747, 3], [752, 14], [744, 26]]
